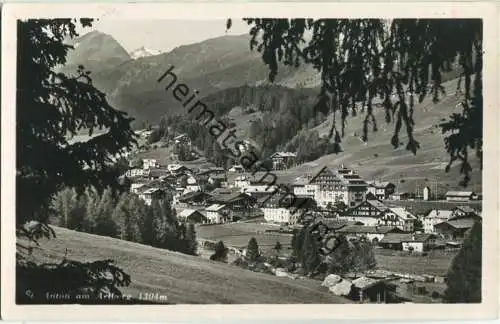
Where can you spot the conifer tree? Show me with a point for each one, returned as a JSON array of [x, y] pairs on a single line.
[[253, 252], [147, 227], [103, 220], [63, 204], [126, 220], [191, 242], [278, 247], [220, 253], [310, 252], [464, 276]]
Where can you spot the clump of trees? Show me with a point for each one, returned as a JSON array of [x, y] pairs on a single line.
[[320, 253], [310, 146], [220, 253], [124, 216]]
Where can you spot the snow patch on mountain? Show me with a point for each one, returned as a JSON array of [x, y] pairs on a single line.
[[143, 52]]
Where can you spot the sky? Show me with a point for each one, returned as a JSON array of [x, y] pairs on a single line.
[[164, 35]]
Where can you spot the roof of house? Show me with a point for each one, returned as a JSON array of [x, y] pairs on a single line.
[[180, 136], [187, 212], [224, 191], [422, 237], [233, 197], [242, 178], [218, 177], [439, 213], [466, 209], [459, 193], [459, 223], [377, 204], [283, 154], [176, 167], [151, 190], [228, 195], [396, 238], [215, 207], [158, 172], [380, 184], [193, 195], [301, 181], [402, 213], [365, 282]]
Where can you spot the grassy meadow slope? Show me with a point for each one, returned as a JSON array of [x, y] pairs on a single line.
[[378, 159], [183, 278]]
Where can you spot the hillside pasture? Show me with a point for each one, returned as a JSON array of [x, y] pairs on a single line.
[[184, 279], [378, 159], [238, 234], [436, 263]]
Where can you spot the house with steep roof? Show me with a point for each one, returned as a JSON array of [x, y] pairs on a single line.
[[285, 210], [463, 211], [381, 189], [409, 241], [400, 217], [192, 185], [215, 179], [368, 212], [233, 198], [419, 242], [151, 194], [150, 163], [192, 216], [136, 187], [177, 169], [434, 217], [182, 139], [258, 187], [241, 182], [195, 198], [455, 229], [365, 289], [371, 233], [237, 168], [218, 214], [400, 196], [157, 173], [283, 160]]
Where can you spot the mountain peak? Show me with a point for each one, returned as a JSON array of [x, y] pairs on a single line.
[[96, 50], [144, 52]]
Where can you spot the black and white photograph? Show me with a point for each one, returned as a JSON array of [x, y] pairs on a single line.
[[244, 159]]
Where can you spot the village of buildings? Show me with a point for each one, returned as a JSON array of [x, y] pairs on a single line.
[[338, 197]]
